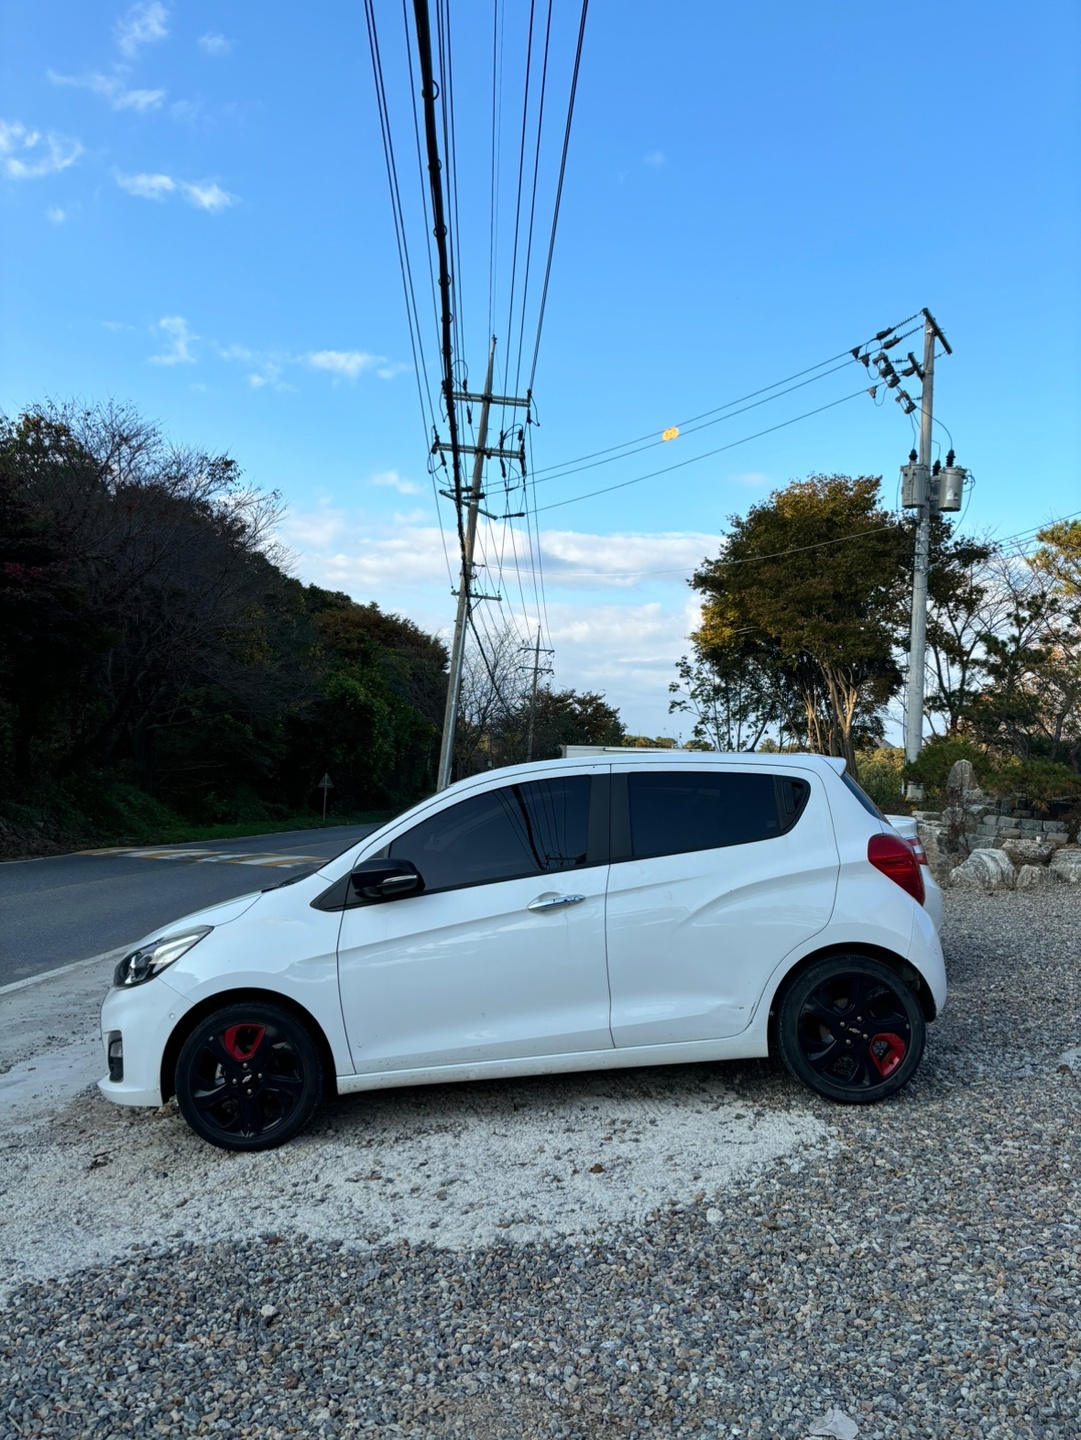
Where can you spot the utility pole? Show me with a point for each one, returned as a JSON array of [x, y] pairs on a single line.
[[480, 453], [923, 496], [533, 697]]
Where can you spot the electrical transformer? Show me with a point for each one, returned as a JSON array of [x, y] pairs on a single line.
[[914, 480], [949, 488]]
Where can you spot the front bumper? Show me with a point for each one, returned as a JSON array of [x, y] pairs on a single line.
[[142, 1019]]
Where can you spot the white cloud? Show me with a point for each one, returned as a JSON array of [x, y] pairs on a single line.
[[143, 24], [626, 647], [347, 364], [394, 481], [203, 194], [208, 195], [147, 187], [266, 369], [347, 551], [622, 561], [752, 479], [56, 215], [28, 154], [654, 158], [175, 329], [112, 89], [214, 44]]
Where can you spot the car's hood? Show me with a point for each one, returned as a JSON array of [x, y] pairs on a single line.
[[214, 915]]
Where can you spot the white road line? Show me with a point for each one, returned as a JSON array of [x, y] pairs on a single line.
[[111, 955]]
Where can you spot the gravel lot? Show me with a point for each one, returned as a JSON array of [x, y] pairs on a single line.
[[697, 1252]]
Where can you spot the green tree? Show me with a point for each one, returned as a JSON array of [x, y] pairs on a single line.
[[810, 590]]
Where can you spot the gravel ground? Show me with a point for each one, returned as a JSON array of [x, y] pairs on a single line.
[[916, 1265]]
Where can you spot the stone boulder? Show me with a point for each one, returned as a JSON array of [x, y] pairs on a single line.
[[1035, 877], [985, 870], [1028, 851], [941, 849], [962, 778], [1066, 864]]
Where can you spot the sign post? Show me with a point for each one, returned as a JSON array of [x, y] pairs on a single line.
[[326, 785]]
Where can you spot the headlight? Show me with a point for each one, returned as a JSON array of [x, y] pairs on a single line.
[[150, 960]]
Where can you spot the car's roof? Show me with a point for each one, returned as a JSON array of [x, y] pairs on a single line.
[[661, 760]]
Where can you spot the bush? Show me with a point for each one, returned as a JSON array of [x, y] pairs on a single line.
[[880, 775], [936, 760]]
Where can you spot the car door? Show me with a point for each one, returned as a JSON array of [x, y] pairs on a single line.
[[501, 956], [717, 873]]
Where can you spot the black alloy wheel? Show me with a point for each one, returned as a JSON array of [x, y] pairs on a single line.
[[851, 1029], [249, 1077]]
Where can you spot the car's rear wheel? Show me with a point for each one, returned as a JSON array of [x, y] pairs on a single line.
[[248, 1077], [851, 1029]]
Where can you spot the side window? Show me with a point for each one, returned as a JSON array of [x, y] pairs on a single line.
[[531, 829], [862, 796], [672, 812]]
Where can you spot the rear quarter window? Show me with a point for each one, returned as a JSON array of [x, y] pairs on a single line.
[[862, 796], [675, 812]]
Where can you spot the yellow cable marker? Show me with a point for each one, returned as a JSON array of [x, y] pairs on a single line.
[[670, 433]]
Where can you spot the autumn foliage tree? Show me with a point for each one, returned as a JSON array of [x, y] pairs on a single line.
[[808, 596], [151, 638]]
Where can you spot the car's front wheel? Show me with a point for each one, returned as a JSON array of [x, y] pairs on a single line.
[[248, 1076], [851, 1029]]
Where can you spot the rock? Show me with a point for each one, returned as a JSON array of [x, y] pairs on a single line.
[[1067, 864], [985, 870], [1029, 851], [962, 776], [1034, 877], [942, 853]]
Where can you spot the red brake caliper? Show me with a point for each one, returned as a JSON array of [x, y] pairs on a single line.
[[242, 1041], [887, 1052]]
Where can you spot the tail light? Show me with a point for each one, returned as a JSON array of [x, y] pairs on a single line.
[[918, 851], [897, 859]]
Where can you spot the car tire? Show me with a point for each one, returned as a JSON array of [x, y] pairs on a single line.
[[851, 1029], [249, 1076]]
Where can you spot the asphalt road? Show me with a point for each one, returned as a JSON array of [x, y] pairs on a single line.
[[67, 907]]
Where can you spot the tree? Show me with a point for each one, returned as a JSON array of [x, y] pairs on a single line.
[[381, 690], [1029, 705], [733, 701], [151, 641], [810, 591], [962, 607], [498, 710]]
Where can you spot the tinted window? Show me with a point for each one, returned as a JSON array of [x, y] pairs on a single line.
[[671, 813], [519, 830], [862, 796]]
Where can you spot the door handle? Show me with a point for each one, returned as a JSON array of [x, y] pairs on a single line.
[[553, 902]]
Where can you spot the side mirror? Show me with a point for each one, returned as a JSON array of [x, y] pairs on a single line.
[[386, 879]]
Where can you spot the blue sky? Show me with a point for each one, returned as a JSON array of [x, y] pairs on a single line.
[[195, 218]]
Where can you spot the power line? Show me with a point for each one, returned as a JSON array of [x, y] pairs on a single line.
[[532, 200], [654, 442], [518, 196], [424, 47], [559, 193], [420, 369], [651, 437], [707, 455]]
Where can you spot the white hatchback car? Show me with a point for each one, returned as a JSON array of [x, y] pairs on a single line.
[[565, 915]]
